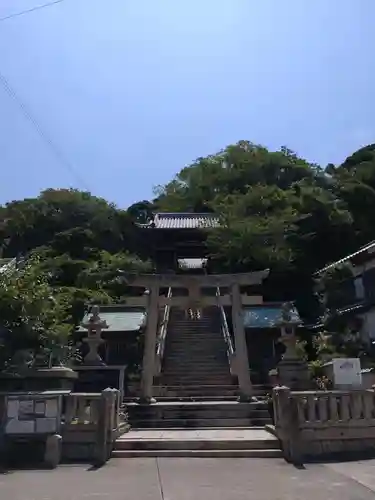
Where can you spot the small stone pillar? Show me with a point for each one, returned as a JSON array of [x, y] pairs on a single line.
[[293, 370], [286, 424], [94, 326], [52, 452]]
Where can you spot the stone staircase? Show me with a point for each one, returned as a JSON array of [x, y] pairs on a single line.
[[197, 413], [195, 356]]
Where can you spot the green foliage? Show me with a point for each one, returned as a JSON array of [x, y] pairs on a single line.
[[77, 245], [277, 211], [32, 317], [106, 273]]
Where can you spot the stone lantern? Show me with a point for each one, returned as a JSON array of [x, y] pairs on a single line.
[[288, 326], [293, 369], [94, 327]]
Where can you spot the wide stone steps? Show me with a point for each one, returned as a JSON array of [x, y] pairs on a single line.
[[183, 368], [207, 391], [193, 391], [181, 378], [195, 355], [221, 442], [192, 340], [198, 414], [184, 380], [201, 423], [235, 453], [198, 367]]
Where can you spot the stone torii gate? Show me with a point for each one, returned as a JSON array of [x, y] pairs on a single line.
[[194, 283]]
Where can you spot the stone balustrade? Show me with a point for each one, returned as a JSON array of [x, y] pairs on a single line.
[[311, 424], [90, 425], [74, 426]]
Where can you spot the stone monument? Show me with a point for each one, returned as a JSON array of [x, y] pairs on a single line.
[[94, 327], [293, 370]]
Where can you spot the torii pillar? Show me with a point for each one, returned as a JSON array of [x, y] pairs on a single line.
[[241, 356], [147, 381]]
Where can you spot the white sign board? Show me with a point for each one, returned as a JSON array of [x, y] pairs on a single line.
[[347, 373]]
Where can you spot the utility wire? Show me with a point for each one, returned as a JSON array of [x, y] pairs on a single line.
[[32, 9], [64, 162]]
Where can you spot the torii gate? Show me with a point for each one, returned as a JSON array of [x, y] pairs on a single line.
[[194, 284]]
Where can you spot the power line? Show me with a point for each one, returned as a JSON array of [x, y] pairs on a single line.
[[32, 9], [64, 162]]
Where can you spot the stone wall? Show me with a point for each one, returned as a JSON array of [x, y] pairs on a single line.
[[78, 426], [317, 424]]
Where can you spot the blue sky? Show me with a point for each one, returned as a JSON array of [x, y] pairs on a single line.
[[133, 90]]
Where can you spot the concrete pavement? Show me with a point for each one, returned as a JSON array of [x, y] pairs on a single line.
[[189, 479]]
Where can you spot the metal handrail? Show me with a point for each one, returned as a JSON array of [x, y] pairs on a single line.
[[163, 334], [226, 333]]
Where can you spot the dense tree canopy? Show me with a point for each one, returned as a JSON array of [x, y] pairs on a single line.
[[277, 211]]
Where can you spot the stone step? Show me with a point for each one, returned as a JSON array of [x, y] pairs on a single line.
[[266, 453], [188, 407], [200, 387], [197, 361], [200, 365], [197, 374], [181, 392], [194, 444], [196, 356], [203, 391], [203, 350], [220, 442], [204, 417], [203, 355], [191, 378], [208, 328], [218, 377], [200, 376], [195, 345], [195, 381], [195, 423], [176, 326], [185, 399], [194, 341], [191, 368]]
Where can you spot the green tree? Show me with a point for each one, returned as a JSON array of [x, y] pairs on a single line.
[[277, 211], [32, 316]]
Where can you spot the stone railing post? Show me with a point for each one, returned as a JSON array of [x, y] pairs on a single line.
[[286, 423], [103, 443]]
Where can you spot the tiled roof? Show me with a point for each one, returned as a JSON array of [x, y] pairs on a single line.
[[185, 221], [120, 319], [191, 263], [265, 317]]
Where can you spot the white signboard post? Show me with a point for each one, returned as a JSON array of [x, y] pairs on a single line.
[[347, 373]]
